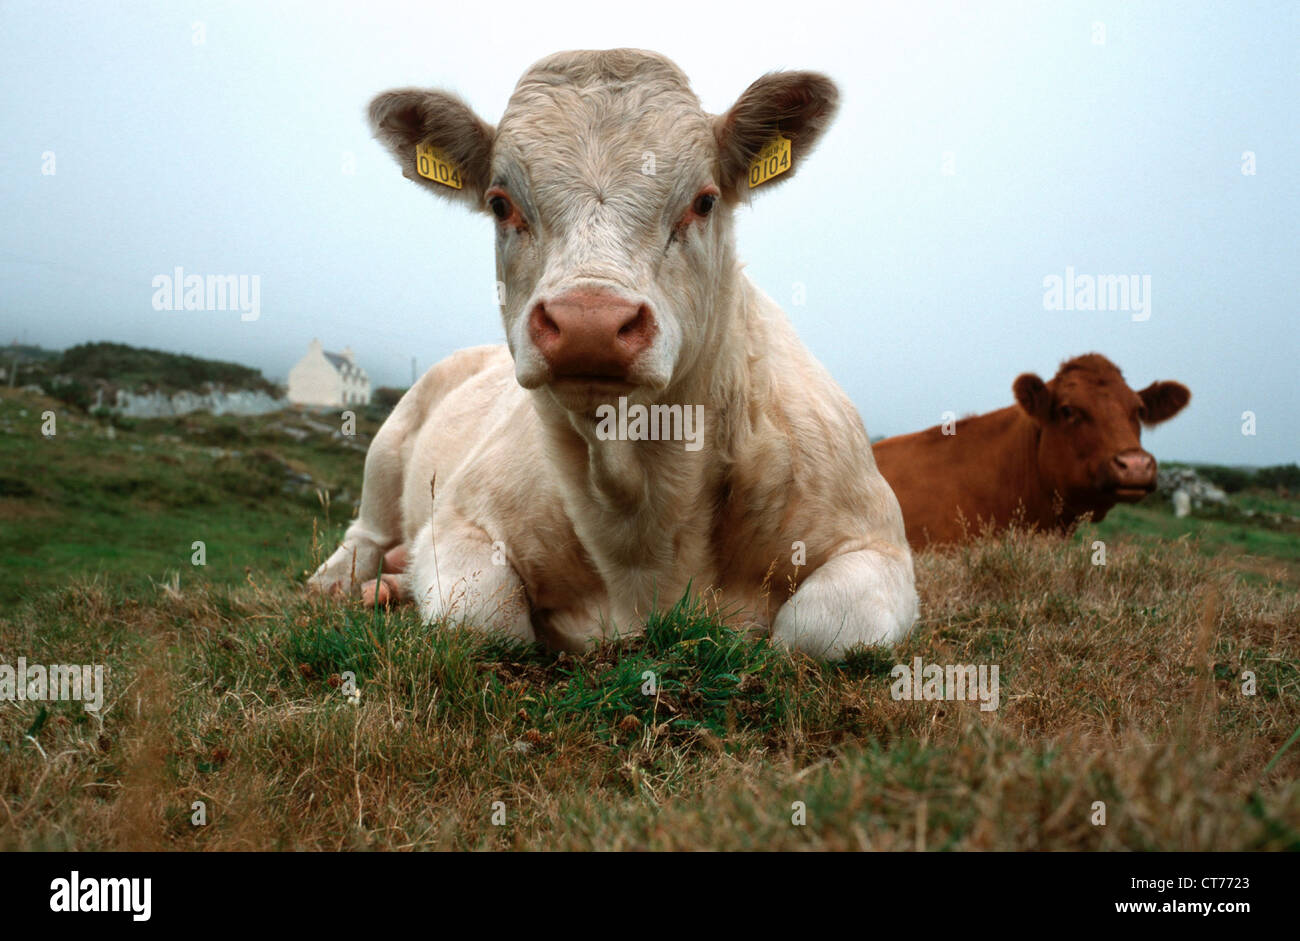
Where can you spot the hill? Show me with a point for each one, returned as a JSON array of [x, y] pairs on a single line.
[[135, 368], [23, 352]]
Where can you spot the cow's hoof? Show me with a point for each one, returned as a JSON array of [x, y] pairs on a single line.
[[384, 591]]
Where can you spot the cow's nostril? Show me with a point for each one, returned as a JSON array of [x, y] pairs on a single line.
[[541, 324], [1134, 467], [637, 330], [585, 334]]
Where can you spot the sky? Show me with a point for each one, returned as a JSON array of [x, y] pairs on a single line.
[[980, 150]]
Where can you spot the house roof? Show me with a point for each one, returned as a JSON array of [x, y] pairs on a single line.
[[342, 363]]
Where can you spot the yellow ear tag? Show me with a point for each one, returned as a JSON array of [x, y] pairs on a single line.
[[772, 160], [432, 164]]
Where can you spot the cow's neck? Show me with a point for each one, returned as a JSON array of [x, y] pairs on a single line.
[[1008, 438], [644, 509]]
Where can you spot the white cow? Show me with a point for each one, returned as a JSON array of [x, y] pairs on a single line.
[[518, 486]]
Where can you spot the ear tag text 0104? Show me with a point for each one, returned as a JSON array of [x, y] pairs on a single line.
[[772, 160], [432, 164]]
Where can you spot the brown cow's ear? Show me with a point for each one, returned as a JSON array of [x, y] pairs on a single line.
[[1033, 396], [407, 118], [1161, 401], [798, 106]]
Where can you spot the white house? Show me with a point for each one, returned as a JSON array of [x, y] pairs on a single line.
[[328, 379]]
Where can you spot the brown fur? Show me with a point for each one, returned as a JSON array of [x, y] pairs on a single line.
[[1044, 462]]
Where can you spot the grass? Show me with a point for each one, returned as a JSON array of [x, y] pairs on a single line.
[[1120, 684], [130, 507], [1260, 551]]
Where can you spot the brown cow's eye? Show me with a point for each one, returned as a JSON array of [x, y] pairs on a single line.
[[500, 207], [1066, 412], [704, 203]]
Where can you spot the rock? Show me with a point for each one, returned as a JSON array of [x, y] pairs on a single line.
[[217, 401], [317, 426], [1194, 489], [297, 434]]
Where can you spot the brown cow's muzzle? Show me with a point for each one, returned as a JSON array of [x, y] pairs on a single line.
[[591, 336], [1133, 474]]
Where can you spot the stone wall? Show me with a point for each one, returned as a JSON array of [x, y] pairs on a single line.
[[216, 401], [1188, 490]]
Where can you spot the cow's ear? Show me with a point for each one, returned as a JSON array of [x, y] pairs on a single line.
[[1033, 396], [795, 105], [1161, 401], [408, 118]]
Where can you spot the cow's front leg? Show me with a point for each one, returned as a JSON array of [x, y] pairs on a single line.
[[378, 526], [863, 597], [458, 578]]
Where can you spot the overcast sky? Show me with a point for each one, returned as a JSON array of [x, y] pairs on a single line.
[[977, 152]]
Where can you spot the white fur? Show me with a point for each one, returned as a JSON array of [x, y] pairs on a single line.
[[857, 599], [477, 590], [598, 533]]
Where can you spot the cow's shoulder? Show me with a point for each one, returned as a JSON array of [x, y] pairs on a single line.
[[453, 370]]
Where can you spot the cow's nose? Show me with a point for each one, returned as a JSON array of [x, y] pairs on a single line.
[[1134, 468], [590, 335]]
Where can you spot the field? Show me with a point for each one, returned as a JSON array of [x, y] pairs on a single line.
[[1121, 685]]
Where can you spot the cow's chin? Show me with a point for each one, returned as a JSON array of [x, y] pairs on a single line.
[[1119, 491], [584, 394], [1131, 494]]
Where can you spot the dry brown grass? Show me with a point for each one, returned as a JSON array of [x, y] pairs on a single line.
[[1119, 684]]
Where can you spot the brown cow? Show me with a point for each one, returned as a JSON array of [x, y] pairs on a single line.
[[1069, 447]]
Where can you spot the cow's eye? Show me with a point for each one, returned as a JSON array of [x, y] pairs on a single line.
[[704, 203], [1067, 413], [505, 212]]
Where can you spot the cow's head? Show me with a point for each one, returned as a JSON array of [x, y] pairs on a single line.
[[1090, 450], [612, 194]]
